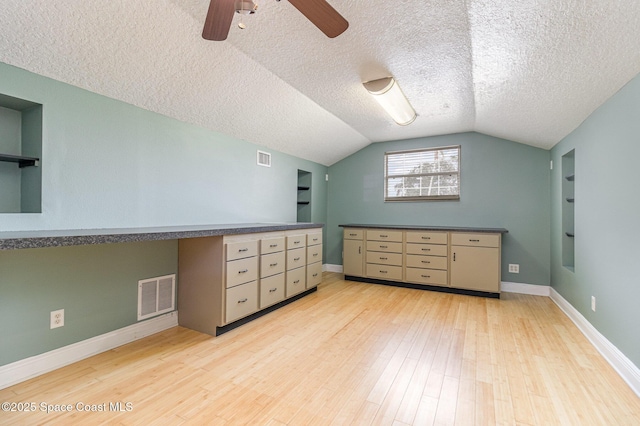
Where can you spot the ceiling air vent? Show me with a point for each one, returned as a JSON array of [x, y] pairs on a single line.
[[264, 159], [156, 296]]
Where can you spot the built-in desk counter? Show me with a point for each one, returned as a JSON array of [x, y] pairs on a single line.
[[13, 240], [228, 274], [453, 259]]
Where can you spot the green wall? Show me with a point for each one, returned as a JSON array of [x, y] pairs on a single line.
[[108, 164], [504, 185], [97, 286], [10, 143], [607, 228]]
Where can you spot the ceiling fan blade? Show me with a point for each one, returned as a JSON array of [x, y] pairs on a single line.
[[322, 15], [218, 21]]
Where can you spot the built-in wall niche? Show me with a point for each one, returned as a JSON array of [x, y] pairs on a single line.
[[20, 155], [568, 209], [304, 196]]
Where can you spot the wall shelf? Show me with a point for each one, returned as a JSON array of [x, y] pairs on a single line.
[[570, 199], [569, 234], [570, 177], [20, 160], [303, 203], [303, 188]]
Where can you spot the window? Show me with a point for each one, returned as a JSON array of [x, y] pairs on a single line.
[[422, 174]]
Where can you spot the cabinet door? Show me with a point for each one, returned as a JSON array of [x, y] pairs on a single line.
[[475, 268], [353, 257]]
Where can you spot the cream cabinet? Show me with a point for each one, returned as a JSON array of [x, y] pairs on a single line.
[[475, 262], [426, 258], [225, 279], [353, 252], [314, 259], [422, 257]]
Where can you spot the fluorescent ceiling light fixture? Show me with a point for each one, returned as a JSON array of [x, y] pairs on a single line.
[[388, 94]]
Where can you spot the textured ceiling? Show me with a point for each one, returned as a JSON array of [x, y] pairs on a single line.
[[529, 71]]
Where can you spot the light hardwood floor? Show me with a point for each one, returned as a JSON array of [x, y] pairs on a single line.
[[352, 353]]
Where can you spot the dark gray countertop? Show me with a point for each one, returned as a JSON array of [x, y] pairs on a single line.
[[74, 237], [427, 228]]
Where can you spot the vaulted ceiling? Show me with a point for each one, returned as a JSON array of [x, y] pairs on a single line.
[[529, 71]]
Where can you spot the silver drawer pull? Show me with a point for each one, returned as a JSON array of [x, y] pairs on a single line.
[[315, 254], [273, 245], [242, 300], [425, 276], [295, 259], [244, 271], [244, 249], [383, 258], [273, 289], [352, 235], [315, 275], [383, 272], [426, 261], [426, 238], [297, 242], [384, 236], [296, 281], [315, 239], [384, 246], [426, 249], [273, 264], [474, 241]]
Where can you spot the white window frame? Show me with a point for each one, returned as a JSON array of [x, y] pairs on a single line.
[[423, 197]]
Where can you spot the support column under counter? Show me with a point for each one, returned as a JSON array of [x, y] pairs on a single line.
[[464, 260]]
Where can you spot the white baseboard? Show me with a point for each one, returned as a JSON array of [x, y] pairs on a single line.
[[629, 372], [332, 268], [28, 368], [534, 290]]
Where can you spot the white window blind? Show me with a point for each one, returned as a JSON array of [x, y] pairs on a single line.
[[424, 174]]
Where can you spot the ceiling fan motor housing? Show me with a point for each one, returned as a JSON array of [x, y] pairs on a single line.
[[246, 7]]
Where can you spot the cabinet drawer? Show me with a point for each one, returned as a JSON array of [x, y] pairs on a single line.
[[271, 245], [385, 258], [314, 274], [480, 240], [314, 253], [427, 276], [314, 238], [242, 271], [384, 235], [431, 262], [271, 290], [427, 237], [296, 241], [296, 258], [353, 234], [296, 281], [430, 249], [241, 301], [385, 272], [271, 264], [385, 247], [242, 249]]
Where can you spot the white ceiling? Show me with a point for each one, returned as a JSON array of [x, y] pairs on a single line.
[[530, 71]]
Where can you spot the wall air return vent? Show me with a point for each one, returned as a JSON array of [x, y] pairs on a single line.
[[156, 296], [264, 159]]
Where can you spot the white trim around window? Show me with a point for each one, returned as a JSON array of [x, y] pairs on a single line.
[[422, 174]]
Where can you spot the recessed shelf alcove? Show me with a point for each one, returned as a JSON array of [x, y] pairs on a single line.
[[20, 154]]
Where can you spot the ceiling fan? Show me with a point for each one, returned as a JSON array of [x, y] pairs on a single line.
[[319, 12]]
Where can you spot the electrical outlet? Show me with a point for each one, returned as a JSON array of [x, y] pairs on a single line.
[[514, 268], [593, 303], [57, 318]]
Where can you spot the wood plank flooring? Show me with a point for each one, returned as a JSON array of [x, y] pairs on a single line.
[[351, 353]]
